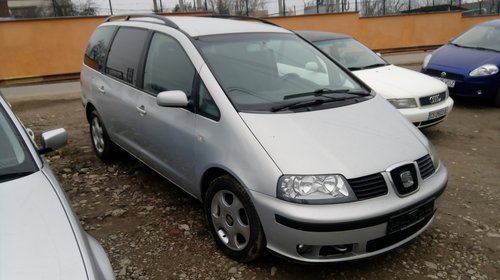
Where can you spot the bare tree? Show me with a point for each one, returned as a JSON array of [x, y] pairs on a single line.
[[384, 7], [237, 7]]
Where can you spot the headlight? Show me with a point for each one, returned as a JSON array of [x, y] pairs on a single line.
[[485, 70], [426, 61], [402, 103], [316, 189]]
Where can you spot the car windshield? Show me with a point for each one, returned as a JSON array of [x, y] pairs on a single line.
[[15, 159], [272, 72], [480, 37], [351, 53]]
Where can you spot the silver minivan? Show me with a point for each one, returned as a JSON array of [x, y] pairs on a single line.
[[285, 148]]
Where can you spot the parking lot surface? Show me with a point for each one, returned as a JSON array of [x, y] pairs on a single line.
[[153, 230]]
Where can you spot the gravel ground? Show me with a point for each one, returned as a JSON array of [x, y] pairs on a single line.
[[153, 230]]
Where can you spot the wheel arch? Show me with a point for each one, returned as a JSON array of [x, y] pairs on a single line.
[[88, 110], [209, 175]]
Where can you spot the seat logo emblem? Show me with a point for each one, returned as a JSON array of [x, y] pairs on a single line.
[[443, 74], [435, 98], [407, 179]]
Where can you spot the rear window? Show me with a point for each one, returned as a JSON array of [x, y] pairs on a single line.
[[98, 46]]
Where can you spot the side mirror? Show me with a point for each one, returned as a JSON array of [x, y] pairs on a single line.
[[312, 66], [53, 140], [379, 54], [172, 98]]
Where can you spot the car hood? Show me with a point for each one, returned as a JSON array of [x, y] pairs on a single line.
[[462, 60], [354, 140], [395, 82], [36, 238]]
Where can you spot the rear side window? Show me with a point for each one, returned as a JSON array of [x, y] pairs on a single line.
[[125, 54], [167, 66], [98, 45]]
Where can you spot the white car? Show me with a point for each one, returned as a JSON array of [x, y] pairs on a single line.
[[40, 236], [423, 100]]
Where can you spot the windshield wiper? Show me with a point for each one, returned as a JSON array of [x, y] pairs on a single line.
[[367, 66], [325, 92], [302, 104], [473, 47], [13, 175]]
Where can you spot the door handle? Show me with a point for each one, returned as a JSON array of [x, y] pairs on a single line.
[[141, 110], [101, 89]]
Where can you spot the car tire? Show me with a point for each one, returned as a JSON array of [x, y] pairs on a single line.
[[103, 147], [233, 220]]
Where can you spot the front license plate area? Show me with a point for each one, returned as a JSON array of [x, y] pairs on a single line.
[[409, 218], [448, 82], [436, 114]]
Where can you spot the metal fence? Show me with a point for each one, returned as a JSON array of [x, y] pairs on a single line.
[[14, 9], [394, 7]]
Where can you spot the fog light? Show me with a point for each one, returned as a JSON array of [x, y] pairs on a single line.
[[479, 92], [302, 249]]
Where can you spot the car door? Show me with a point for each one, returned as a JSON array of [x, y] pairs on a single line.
[[167, 133], [118, 92]]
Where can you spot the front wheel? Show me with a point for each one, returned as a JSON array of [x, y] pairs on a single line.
[[233, 220], [104, 148]]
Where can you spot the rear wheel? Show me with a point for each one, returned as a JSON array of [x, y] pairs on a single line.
[[233, 220], [103, 146]]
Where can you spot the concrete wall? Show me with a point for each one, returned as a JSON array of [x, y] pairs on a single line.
[[30, 49]]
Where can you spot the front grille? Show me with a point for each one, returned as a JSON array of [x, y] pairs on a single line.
[[405, 179], [451, 76], [368, 186], [433, 99], [426, 166]]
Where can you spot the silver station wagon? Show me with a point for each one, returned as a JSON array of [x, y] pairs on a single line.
[[303, 159]]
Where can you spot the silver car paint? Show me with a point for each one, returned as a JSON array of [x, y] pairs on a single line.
[[48, 225], [336, 141], [283, 240], [34, 241], [246, 146]]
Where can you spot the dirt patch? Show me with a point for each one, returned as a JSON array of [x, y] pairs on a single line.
[[153, 230]]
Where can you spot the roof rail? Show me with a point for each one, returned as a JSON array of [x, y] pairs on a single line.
[[165, 20], [244, 18]]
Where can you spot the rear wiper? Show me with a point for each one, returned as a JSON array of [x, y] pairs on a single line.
[[324, 92], [13, 175]]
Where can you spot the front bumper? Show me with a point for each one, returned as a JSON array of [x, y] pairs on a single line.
[[421, 116], [485, 87], [357, 229]]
